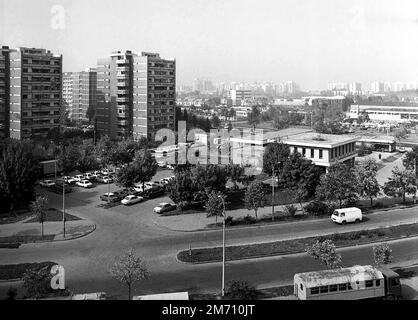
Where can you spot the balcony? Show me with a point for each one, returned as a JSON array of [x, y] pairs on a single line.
[[122, 99], [122, 61]]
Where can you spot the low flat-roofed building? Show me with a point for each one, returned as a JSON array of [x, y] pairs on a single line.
[[394, 114], [164, 296], [324, 149], [386, 143]]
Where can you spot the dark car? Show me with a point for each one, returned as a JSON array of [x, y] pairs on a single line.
[[57, 188], [112, 197], [153, 193]]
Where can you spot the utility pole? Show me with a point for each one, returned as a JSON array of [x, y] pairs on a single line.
[[223, 247], [63, 207], [272, 193]]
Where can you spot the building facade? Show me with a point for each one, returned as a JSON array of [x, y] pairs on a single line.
[[238, 97], [35, 92], [393, 114], [4, 91], [79, 94], [135, 95]]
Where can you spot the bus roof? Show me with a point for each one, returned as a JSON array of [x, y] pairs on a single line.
[[337, 276]]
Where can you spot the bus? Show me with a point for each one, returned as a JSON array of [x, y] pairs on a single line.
[[357, 282]]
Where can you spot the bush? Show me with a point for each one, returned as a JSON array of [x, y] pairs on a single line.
[[290, 210], [249, 220], [229, 220], [318, 208], [240, 290]]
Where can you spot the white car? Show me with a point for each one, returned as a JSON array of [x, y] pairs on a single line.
[[131, 199], [85, 184], [169, 166], [161, 164], [89, 175], [164, 207], [147, 186], [47, 183], [138, 189], [69, 180], [106, 172], [79, 178]]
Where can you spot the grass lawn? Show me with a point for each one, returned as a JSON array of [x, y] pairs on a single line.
[[295, 245], [54, 215], [15, 216], [13, 240], [16, 271]]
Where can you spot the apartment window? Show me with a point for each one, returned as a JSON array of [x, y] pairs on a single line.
[[312, 153], [332, 153], [323, 289], [333, 288], [295, 149], [320, 154], [304, 151], [342, 287], [369, 283], [378, 283]]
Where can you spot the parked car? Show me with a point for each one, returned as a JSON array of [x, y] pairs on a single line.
[[164, 207], [79, 177], [153, 193], [89, 175], [107, 171], [104, 179], [85, 184], [343, 216], [161, 164], [131, 199], [47, 183], [69, 180], [122, 193], [111, 197], [60, 185], [169, 166]]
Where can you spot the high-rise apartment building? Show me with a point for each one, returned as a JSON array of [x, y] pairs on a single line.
[[377, 87], [35, 92], [354, 88], [4, 91], [79, 93], [135, 94]]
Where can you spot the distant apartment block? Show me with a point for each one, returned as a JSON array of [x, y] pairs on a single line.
[[4, 91], [354, 88], [376, 113], [35, 92], [79, 93], [135, 95], [238, 97], [376, 87]]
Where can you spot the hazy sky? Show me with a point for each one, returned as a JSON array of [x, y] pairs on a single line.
[[312, 42]]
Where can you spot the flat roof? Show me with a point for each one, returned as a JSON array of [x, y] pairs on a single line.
[[337, 276], [164, 296], [315, 139]]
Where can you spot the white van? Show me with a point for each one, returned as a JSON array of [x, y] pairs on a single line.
[[346, 215]]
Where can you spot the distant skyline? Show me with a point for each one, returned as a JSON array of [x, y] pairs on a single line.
[[312, 42]]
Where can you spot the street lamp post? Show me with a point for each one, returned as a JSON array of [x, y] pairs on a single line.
[[63, 207], [223, 247], [272, 194]]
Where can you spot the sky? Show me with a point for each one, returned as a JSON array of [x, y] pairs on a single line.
[[312, 42]]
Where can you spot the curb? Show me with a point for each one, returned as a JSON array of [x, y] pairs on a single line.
[[288, 253], [261, 225], [93, 228], [10, 280]]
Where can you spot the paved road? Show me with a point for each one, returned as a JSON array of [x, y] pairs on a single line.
[[87, 259]]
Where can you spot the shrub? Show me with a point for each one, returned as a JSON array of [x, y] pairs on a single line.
[[318, 208], [240, 290], [248, 219], [290, 210], [229, 220]]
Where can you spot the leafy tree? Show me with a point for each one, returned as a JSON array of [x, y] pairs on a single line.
[[216, 122], [401, 183], [275, 155], [254, 117], [18, 173], [127, 176], [325, 252], [38, 208], [235, 172], [300, 196], [91, 113], [104, 150], [215, 205], [255, 196], [300, 173], [129, 269], [87, 158], [240, 290], [68, 158], [182, 188], [339, 184], [411, 159], [145, 166], [367, 181], [382, 254]]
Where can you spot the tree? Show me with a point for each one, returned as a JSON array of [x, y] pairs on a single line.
[[410, 160], [124, 152], [104, 150], [19, 170], [216, 122], [215, 205], [254, 117], [366, 175], [91, 113], [128, 269], [240, 290], [382, 254], [255, 196], [300, 173], [401, 183], [127, 176], [69, 158], [208, 178], [182, 188], [87, 158], [38, 208], [275, 156], [145, 166], [281, 120], [300, 196], [325, 252], [339, 184], [235, 173]]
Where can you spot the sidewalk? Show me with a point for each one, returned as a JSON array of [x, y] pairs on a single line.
[[53, 231]]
